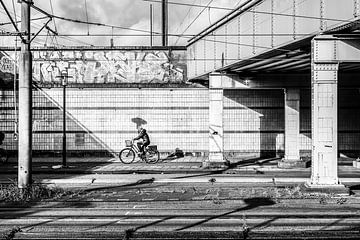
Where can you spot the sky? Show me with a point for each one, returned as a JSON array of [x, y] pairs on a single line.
[[134, 14]]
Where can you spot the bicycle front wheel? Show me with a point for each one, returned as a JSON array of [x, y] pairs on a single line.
[[152, 156], [127, 155]]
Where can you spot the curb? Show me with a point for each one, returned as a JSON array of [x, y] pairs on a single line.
[[240, 180]]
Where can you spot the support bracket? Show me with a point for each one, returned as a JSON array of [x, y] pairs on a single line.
[[12, 20], [44, 26]]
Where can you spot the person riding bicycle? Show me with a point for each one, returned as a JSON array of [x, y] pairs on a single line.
[[145, 138], [2, 137]]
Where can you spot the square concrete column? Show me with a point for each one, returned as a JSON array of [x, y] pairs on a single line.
[[292, 129], [324, 126], [216, 123]]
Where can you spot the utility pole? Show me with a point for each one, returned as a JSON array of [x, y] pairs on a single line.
[[164, 22], [151, 25], [25, 100]]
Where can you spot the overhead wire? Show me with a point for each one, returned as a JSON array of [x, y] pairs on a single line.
[[186, 15], [15, 136], [174, 35], [52, 11], [19, 21], [199, 14], [113, 26], [88, 22], [54, 37], [38, 26], [251, 11], [87, 17]]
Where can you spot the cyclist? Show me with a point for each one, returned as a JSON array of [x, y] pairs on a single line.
[[142, 134], [2, 137]]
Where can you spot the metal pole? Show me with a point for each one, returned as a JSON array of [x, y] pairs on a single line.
[[64, 122], [164, 22], [151, 25], [25, 102]]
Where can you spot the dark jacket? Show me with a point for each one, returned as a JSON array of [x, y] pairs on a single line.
[[2, 137], [143, 135]]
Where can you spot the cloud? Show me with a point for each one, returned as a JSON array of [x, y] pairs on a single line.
[[128, 14]]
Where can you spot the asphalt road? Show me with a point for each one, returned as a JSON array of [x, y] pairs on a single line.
[[257, 218], [168, 210]]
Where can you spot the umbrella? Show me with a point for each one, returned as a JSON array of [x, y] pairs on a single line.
[[138, 121]]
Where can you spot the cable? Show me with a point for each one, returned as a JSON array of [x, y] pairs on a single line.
[[173, 35], [15, 74], [195, 19], [205, 59], [33, 19], [54, 38], [101, 24], [90, 23], [209, 16], [188, 12], [67, 38], [87, 17], [13, 4], [260, 12], [52, 11], [238, 3]]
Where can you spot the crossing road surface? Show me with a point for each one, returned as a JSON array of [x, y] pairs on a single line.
[[255, 218]]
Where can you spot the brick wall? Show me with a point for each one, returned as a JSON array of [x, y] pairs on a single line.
[[254, 122], [100, 119]]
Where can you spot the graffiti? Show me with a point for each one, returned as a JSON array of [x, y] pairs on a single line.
[[110, 66], [6, 64]]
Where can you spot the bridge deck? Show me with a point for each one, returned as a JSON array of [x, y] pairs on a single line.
[[270, 36]]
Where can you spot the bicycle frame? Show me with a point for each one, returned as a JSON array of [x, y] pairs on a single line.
[[135, 148]]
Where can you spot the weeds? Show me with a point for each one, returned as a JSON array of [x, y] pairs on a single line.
[[245, 228], [212, 180], [341, 201], [322, 200], [128, 233], [11, 234], [11, 193]]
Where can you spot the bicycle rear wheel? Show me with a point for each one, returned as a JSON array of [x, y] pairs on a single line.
[[152, 156], [127, 155]]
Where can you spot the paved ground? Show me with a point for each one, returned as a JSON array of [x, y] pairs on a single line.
[[180, 200], [185, 159], [185, 211], [181, 165]]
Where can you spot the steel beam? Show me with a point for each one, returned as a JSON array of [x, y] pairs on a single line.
[[335, 49], [324, 107], [101, 48]]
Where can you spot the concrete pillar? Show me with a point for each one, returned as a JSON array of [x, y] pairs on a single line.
[[292, 129], [25, 103], [216, 123], [324, 125]]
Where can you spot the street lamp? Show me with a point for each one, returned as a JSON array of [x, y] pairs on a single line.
[[64, 82]]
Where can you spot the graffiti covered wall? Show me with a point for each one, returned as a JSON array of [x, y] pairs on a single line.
[[6, 70], [110, 66]]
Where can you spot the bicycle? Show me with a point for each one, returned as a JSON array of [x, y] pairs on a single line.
[[127, 155], [3, 153], [4, 156]]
